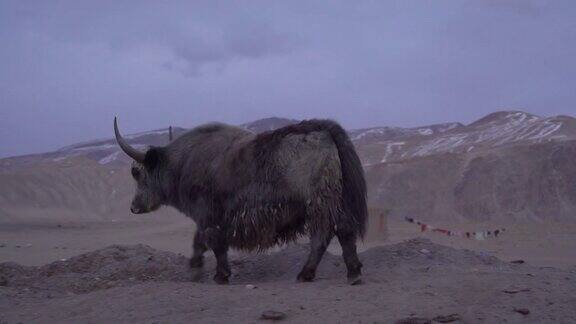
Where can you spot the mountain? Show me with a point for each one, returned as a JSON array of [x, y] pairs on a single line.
[[508, 165], [523, 182], [268, 124], [495, 130], [107, 152]]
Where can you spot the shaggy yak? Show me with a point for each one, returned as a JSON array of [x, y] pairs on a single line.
[[251, 192]]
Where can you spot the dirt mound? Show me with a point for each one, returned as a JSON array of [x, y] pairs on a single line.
[[101, 269], [128, 265], [423, 253]]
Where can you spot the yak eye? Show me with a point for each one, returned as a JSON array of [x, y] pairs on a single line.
[[135, 173]]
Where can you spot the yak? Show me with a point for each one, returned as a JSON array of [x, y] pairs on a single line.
[[253, 191]]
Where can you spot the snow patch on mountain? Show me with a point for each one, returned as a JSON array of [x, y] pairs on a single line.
[[441, 144], [390, 148], [109, 158], [425, 131], [375, 131], [514, 127]]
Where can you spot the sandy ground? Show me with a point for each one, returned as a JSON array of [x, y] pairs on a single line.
[[37, 243], [425, 278]]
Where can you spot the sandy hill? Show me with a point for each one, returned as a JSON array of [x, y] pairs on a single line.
[[507, 165]]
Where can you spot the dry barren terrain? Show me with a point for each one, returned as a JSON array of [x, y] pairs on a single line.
[[98, 272]]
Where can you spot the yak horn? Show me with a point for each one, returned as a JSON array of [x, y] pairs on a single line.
[[132, 152]]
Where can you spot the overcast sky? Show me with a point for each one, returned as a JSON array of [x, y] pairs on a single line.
[[67, 67]]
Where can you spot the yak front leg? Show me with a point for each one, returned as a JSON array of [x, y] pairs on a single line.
[[222, 265], [199, 247], [216, 240]]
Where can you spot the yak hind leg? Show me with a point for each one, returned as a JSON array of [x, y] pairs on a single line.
[[318, 245], [198, 247], [347, 241]]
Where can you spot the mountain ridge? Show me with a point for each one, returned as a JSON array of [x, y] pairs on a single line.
[[507, 165], [413, 141]]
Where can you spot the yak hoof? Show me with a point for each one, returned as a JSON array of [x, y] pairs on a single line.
[[197, 262], [197, 275], [221, 279], [355, 280], [306, 275]]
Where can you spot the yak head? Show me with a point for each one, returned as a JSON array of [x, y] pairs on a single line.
[[149, 171]]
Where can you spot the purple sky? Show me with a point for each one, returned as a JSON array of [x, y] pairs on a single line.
[[67, 67]]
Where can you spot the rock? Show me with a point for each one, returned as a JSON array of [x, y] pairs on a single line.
[[414, 320], [523, 311], [518, 261], [424, 251], [3, 282], [515, 291], [250, 286], [447, 318], [273, 315]]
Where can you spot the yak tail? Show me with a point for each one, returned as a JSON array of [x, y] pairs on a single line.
[[353, 181]]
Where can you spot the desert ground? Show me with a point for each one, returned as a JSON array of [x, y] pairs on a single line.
[[135, 270]]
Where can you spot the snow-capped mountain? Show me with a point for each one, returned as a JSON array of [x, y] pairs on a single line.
[[375, 134], [495, 130]]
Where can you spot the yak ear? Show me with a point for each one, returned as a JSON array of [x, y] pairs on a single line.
[[154, 158]]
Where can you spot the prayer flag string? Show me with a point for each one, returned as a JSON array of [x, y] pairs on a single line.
[[477, 235]]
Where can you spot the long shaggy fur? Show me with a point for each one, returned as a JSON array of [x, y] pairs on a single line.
[[261, 190]]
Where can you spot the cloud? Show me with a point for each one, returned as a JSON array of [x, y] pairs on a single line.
[[195, 52], [69, 66], [190, 40]]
